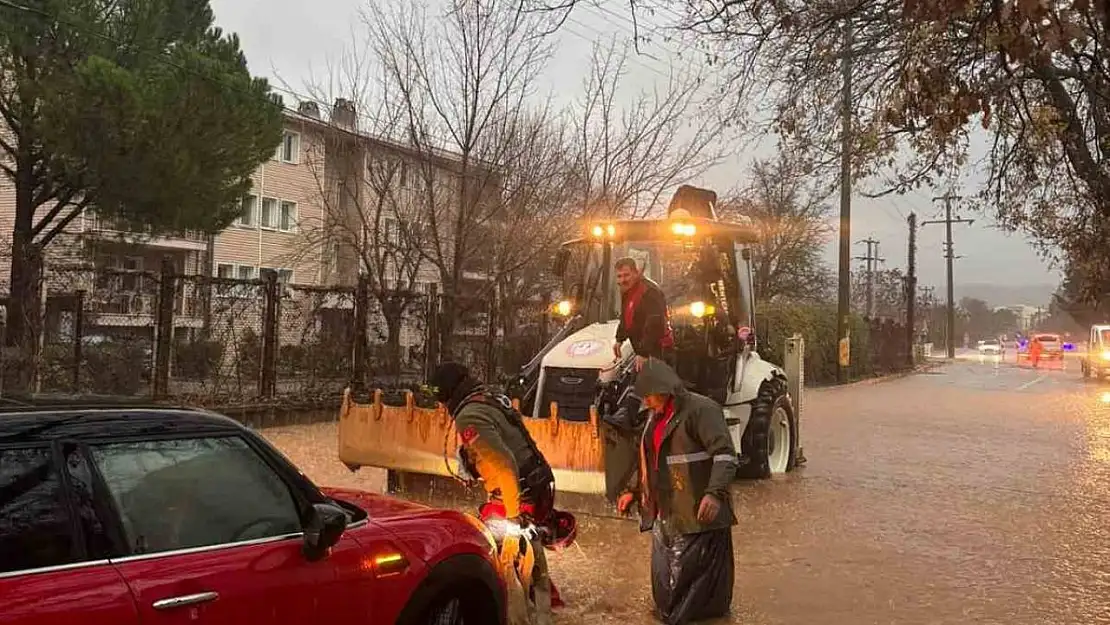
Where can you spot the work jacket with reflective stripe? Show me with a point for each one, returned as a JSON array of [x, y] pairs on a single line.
[[696, 457]]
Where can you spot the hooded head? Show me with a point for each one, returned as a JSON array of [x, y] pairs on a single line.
[[453, 383], [657, 383]]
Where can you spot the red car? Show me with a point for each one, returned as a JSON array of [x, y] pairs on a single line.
[[115, 515]]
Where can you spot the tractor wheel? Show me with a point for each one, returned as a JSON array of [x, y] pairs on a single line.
[[768, 442]]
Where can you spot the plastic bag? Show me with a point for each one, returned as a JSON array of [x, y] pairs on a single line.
[[691, 575]]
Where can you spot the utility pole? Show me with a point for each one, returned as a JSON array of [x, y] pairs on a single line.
[[911, 289], [871, 258], [844, 282], [949, 255]]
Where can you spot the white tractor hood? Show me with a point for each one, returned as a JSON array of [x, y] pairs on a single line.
[[589, 348]]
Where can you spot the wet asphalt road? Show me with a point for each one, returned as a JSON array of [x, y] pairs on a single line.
[[977, 493]]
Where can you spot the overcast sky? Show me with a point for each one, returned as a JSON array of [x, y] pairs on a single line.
[[292, 39]]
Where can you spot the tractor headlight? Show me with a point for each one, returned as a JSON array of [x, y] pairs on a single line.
[[1106, 355], [564, 308], [611, 230], [598, 231], [701, 309]]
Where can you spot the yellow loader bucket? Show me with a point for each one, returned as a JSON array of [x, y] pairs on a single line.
[[421, 440]]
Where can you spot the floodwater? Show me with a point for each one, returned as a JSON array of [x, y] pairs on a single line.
[[977, 493]]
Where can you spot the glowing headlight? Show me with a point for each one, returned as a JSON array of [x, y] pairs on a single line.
[[611, 230], [597, 231], [564, 308], [698, 309], [681, 229], [1106, 355]]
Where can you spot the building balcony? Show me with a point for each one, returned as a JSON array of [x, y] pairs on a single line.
[[107, 229]]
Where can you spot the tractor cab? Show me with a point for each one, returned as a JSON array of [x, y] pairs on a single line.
[[701, 265]]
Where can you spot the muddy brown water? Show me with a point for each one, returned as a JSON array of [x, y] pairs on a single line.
[[977, 494]]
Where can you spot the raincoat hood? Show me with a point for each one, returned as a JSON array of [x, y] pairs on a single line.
[[657, 378]]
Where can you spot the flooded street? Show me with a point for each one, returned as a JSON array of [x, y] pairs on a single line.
[[978, 493]]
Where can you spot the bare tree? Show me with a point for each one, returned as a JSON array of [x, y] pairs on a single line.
[[373, 213], [786, 203], [631, 152], [464, 79]]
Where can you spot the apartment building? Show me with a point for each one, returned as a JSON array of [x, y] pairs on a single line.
[[306, 217]]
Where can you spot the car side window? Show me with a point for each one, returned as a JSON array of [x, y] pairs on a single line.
[[35, 527], [195, 492]]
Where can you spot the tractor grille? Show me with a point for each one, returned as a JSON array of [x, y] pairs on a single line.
[[573, 389]]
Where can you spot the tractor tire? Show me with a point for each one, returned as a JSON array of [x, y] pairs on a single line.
[[772, 419]]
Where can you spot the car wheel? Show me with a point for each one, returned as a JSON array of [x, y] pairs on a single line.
[[448, 612]]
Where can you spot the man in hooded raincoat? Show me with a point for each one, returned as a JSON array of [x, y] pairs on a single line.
[[687, 461]]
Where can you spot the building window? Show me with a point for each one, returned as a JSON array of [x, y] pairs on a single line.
[[285, 276], [225, 271], [250, 207], [246, 272], [269, 213], [288, 216], [290, 148]]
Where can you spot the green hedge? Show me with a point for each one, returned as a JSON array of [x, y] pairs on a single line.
[[774, 323]]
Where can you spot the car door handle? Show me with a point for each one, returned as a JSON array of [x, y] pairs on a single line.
[[185, 600]]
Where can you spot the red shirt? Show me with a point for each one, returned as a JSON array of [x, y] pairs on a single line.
[[634, 296], [661, 428]]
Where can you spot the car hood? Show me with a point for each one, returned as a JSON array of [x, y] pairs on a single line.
[[378, 506]]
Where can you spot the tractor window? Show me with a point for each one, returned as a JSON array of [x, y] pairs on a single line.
[[1105, 338]]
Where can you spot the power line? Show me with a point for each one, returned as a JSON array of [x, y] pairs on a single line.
[[871, 259], [949, 255]]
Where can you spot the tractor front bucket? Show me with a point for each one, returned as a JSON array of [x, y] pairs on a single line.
[[421, 440]]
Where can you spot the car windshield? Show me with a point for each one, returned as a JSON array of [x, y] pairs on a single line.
[[991, 342], [1048, 338]]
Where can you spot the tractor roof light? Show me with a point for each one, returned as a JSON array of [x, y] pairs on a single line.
[[600, 230], [683, 230]]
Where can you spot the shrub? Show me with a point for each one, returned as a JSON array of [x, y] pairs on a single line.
[[197, 360], [115, 368], [775, 322]]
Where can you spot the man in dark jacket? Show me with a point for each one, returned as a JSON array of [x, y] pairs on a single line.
[[496, 447], [644, 319], [687, 461]]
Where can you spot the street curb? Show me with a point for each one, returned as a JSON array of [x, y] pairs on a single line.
[[922, 368]]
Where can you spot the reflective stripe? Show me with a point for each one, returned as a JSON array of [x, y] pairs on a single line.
[[687, 458], [724, 458]]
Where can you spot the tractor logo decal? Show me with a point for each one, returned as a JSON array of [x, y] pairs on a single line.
[[580, 349]]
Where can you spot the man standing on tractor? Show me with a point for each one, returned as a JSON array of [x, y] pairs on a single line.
[[496, 447], [687, 461], [644, 320]]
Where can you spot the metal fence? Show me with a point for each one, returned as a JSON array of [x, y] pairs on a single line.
[[222, 342]]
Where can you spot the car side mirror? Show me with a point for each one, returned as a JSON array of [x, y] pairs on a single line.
[[562, 259], [326, 524]]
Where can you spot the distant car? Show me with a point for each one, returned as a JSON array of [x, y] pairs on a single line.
[[122, 515], [1096, 363], [1052, 346], [991, 347]]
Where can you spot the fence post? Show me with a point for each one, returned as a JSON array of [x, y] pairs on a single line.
[[163, 329], [491, 336], [267, 379], [78, 335], [431, 340], [362, 322]]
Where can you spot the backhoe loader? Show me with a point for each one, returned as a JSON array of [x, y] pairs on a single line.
[[576, 396]]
